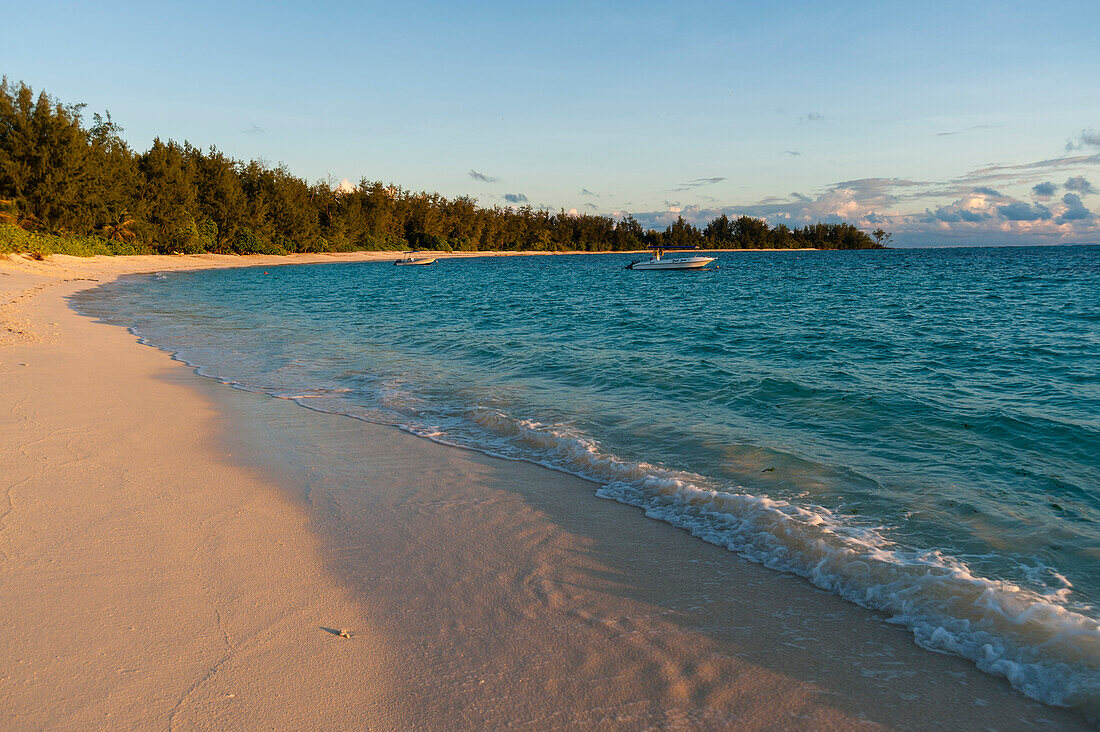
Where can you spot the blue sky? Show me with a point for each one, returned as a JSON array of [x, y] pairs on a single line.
[[946, 123]]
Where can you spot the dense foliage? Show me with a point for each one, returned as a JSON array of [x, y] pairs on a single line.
[[59, 176], [14, 239]]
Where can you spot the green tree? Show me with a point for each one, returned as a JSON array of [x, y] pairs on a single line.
[[120, 230], [59, 175], [682, 234], [750, 233], [720, 232]]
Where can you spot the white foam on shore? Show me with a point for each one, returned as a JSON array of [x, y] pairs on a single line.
[[1042, 647]]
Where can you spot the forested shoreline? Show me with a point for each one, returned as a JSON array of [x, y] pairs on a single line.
[[63, 179]]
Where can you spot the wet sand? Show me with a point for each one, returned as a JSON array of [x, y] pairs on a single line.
[[178, 554]]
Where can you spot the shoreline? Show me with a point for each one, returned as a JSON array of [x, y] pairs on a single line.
[[487, 591], [191, 261], [133, 596]]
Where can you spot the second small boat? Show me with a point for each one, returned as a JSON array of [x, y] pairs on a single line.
[[658, 262], [415, 258]]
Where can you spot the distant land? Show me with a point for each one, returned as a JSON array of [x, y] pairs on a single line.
[[68, 187]]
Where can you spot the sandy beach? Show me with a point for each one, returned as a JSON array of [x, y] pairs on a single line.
[[169, 559]]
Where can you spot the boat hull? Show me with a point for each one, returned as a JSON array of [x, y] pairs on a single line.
[[430, 260]]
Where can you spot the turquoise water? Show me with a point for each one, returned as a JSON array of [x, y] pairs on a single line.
[[915, 430]]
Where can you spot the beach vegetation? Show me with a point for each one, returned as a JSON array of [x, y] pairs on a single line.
[[15, 240], [120, 230], [64, 180]]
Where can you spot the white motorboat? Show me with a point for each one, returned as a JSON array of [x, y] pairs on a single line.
[[415, 258], [658, 261]]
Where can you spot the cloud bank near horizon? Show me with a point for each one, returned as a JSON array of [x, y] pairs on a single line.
[[994, 204]]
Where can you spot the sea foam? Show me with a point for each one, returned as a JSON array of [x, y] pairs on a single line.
[[1042, 647]]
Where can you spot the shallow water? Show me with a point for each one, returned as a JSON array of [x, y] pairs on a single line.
[[916, 430]]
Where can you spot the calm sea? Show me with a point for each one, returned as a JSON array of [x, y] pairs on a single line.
[[915, 430]]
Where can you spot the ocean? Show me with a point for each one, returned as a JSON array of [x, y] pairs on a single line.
[[915, 430]]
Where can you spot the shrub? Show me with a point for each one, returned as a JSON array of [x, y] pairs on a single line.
[[14, 240], [247, 242]]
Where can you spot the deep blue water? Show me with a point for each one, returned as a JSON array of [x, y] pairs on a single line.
[[916, 430]]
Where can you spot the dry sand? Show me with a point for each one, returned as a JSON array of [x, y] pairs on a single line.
[[172, 558]]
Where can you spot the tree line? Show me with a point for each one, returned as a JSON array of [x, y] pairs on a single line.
[[62, 176]]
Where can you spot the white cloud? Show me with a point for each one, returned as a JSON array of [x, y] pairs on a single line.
[[975, 214]]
